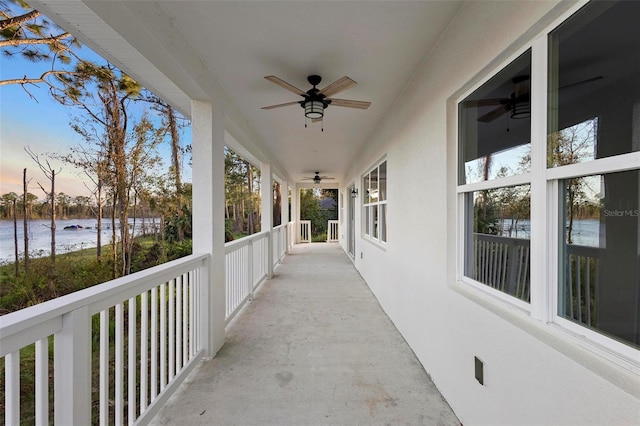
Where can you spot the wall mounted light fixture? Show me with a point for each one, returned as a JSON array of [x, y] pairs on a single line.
[[354, 193]]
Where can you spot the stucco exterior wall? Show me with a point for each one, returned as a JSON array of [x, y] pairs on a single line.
[[533, 375]]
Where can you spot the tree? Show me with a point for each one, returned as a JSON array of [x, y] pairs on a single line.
[[10, 201], [242, 193], [50, 174], [104, 93], [573, 145], [25, 32], [25, 217], [310, 210]]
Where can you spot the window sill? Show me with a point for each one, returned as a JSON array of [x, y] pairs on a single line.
[[376, 243]]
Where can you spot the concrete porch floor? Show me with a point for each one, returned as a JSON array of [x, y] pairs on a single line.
[[313, 348]]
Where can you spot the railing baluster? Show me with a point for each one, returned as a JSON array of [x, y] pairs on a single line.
[[178, 326], [587, 289], [163, 336], [42, 382], [192, 312], [579, 287], [132, 370], [570, 286], [119, 384], [12, 388], [185, 317], [144, 349], [172, 329], [104, 367], [154, 344]]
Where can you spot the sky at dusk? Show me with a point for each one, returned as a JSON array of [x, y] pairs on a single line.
[[43, 125]]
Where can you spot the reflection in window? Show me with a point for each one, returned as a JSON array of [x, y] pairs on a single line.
[[594, 84], [495, 125], [600, 254], [501, 164], [574, 144], [497, 239]]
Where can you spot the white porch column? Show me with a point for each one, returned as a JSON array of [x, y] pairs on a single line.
[[295, 211], [266, 225], [284, 211], [207, 123], [284, 203]]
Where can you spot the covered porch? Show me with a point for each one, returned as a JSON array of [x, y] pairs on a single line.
[[313, 347], [325, 351]]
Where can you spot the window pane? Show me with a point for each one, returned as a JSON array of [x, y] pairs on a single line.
[[382, 179], [373, 191], [600, 254], [497, 239], [495, 126], [374, 218], [383, 223], [594, 84], [367, 221], [365, 186]]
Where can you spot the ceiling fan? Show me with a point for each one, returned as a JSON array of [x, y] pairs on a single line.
[[317, 178], [315, 100], [519, 102]]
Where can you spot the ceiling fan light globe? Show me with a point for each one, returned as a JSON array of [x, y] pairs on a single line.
[[521, 110], [313, 109]]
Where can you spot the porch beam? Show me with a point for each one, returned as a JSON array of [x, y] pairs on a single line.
[[208, 217]]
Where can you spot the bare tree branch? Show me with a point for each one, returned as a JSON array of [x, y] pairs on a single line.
[[19, 20]]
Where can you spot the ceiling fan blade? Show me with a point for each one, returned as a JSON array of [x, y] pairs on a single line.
[[485, 102], [493, 114], [338, 86], [281, 105], [280, 82], [577, 83], [350, 103]]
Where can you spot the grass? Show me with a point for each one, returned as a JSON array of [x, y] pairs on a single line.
[[72, 271]]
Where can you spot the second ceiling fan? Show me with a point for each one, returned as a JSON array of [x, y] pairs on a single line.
[[317, 178], [315, 100]]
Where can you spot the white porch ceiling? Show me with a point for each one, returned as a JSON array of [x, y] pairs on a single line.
[[221, 50]]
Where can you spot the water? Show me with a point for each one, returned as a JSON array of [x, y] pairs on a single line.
[[66, 240], [586, 232]]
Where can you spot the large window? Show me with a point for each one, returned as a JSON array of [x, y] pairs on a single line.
[[583, 178], [374, 185], [495, 153]]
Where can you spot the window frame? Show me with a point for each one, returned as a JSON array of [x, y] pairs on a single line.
[[367, 207], [545, 190]]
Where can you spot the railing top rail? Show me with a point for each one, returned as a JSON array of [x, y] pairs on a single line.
[[586, 251], [119, 289], [501, 239], [244, 241]]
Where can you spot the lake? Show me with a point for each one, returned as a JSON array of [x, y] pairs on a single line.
[[586, 232], [67, 240]]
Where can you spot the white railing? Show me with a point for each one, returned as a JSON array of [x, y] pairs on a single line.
[[246, 265], [503, 263], [291, 235], [305, 231], [132, 340], [581, 283], [279, 242], [332, 231]]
